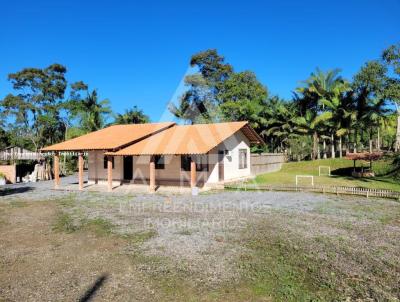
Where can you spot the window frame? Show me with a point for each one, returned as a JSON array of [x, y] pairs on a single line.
[[243, 163]]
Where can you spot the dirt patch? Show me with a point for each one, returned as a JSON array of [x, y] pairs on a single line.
[[39, 264]]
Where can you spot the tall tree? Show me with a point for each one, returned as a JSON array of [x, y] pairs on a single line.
[[321, 95], [35, 111], [84, 105], [212, 67], [200, 101], [132, 116], [242, 97], [391, 56], [370, 96], [278, 123], [197, 104], [309, 124]]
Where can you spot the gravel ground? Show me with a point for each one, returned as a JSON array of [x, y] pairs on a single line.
[[198, 235]]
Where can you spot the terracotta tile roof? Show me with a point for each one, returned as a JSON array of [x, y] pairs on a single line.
[[189, 139], [110, 138]]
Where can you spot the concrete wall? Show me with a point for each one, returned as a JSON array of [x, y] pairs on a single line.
[[10, 172], [172, 171], [266, 162]]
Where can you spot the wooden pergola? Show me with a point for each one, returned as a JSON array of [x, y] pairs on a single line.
[[365, 156]]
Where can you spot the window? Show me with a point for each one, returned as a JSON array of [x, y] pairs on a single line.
[[159, 162], [242, 158], [201, 162], [105, 162]]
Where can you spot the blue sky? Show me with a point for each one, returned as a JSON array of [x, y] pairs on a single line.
[[137, 53]]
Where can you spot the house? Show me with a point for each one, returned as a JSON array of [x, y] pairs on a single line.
[[163, 154]]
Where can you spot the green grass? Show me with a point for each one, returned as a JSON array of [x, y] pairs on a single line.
[[280, 271], [64, 222], [287, 175], [99, 226], [140, 237]]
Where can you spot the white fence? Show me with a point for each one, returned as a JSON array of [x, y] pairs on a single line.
[[319, 189]]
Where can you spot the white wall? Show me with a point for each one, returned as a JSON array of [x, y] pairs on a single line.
[[231, 162], [172, 171]]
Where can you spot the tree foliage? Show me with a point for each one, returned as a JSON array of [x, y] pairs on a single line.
[[34, 113], [132, 116], [40, 114], [217, 93], [85, 106], [241, 98], [326, 110]]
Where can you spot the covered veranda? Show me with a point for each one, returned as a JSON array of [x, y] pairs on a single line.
[[139, 184], [108, 139], [197, 152]]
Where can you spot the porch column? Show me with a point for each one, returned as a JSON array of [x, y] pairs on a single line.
[[109, 172], [56, 170], [192, 172], [80, 168], [152, 174]]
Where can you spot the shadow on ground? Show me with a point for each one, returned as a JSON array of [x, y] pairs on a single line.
[[91, 291], [11, 191]]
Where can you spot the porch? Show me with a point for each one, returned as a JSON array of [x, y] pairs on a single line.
[[138, 174]]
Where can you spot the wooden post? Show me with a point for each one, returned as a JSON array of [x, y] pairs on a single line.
[[56, 170], [152, 174], [80, 168], [109, 172], [192, 173]]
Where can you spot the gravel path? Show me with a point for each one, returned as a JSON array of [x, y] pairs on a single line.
[[200, 238]]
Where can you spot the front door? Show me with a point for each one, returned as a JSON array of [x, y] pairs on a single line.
[[128, 167], [221, 155]]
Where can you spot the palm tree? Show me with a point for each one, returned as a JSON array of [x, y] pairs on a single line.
[[132, 116], [324, 92], [342, 115], [95, 112], [373, 117], [310, 124], [90, 112], [370, 96], [278, 120]]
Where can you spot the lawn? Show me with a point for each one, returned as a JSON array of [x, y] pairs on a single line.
[[287, 175], [230, 246]]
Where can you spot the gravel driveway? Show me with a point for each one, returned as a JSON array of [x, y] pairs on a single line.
[[200, 238]]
